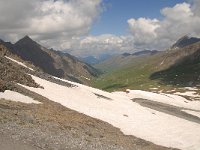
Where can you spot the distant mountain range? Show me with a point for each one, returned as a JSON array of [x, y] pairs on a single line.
[[92, 60], [140, 53], [145, 52], [123, 60], [178, 66], [53, 62]]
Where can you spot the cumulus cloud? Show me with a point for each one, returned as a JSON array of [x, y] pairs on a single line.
[[106, 43], [47, 20], [143, 29], [182, 19], [195, 7]]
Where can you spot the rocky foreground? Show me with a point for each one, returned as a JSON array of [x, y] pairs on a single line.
[[49, 125]]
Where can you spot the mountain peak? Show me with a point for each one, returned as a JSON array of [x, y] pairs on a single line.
[[126, 54], [185, 41], [145, 52], [26, 39]]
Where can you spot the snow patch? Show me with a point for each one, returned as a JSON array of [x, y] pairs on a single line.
[[85, 78], [15, 96], [21, 64], [153, 88]]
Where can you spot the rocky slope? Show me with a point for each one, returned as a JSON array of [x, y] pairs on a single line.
[[180, 66], [50, 61], [185, 41], [10, 72]]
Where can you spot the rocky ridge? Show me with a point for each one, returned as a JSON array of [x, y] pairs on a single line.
[[53, 62]]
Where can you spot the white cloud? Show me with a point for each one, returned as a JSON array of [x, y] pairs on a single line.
[[182, 19], [106, 43], [195, 7], [47, 19], [143, 29], [178, 12]]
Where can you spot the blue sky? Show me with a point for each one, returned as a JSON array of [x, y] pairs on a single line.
[[114, 19]]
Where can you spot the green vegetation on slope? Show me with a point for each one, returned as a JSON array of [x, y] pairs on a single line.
[[181, 75], [133, 76], [174, 68]]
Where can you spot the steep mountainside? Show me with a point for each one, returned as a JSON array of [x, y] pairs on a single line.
[[11, 72], [52, 62], [180, 66]]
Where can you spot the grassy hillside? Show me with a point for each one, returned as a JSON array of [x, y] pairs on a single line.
[[124, 60], [166, 71], [134, 75]]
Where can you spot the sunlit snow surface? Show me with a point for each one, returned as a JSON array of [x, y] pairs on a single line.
[[120, 111], [14, 96], [170, 99], [19, 63]]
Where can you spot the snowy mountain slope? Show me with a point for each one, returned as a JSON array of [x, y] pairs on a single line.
[[120, 111]]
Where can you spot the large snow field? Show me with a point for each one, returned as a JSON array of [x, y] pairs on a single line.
[[120, 111]]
